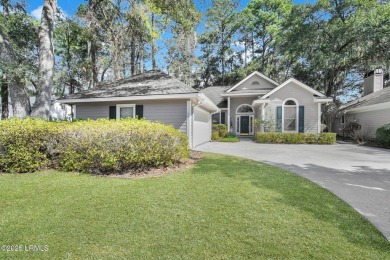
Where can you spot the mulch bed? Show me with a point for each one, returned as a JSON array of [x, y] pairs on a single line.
[[162, 171]]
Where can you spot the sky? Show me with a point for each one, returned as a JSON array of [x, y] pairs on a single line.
[[69, 7]]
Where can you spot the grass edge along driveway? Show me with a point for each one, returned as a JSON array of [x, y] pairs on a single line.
[[224, 207]]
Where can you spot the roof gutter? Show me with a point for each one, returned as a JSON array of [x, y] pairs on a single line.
[[207, 103], [130, 98]]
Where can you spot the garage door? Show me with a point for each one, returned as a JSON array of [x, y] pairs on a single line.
[[202, 126]]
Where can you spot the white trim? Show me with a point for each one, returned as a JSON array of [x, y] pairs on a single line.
[[260, 102], [323, 100], [319, 118], [262, 117], [243, 94], [228, 117], [315, 92], [252, 74], [189, 122], [130, 98], [296, 115], [118, 110], [245, 113], [374, 107], [250, 126]]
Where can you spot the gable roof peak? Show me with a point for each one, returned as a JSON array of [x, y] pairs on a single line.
[[251, 75]]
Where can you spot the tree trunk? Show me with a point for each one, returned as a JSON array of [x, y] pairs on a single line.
[[19, 98], [4, 83], [132, 56], [4, 98], [95, 69], [93, 49], [154, 66], [42, 104]]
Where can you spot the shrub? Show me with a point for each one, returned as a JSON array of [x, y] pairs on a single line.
[[25, 144], [327, 138], [311, 138], [230, 139], [214, 135], [99, 147], [221, 129], [383, 135], [295, 138]]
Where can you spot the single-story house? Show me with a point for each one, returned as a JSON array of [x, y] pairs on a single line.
[[153, 95], [288, 107], [370, 111], [258, 101]]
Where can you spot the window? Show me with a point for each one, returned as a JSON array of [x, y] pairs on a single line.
[[125, 111], [290, 116], [244, 109], [343, 119]]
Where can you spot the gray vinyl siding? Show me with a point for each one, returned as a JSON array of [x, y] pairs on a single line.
[[369, 121], [167, 112], [92, 111], [262, 83], [304, 98]]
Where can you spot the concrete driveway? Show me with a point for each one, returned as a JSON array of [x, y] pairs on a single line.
[[359, 175]]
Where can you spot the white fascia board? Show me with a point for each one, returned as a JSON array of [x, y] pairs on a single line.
[[130, 98], [375, 107], [242, 94], [254, 73], [324, 100], [260, 102], [315, 92]]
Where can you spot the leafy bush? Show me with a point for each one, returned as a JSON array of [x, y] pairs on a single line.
[[327, 138], [383, 135], [230, 139], [99, 147], [295, 138], [25, 144], [221, 129], [311, 138], [214, 136]]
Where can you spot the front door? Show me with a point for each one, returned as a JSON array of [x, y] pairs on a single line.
[[244, 125]]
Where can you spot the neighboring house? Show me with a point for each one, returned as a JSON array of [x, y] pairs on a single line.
[[371, 111], [288, 107], [57, 111], [153, 95]]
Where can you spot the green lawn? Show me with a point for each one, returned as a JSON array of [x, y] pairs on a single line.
[[225, 207]]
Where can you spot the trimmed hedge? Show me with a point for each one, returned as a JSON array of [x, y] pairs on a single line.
[[99, 147], [295, 138], [221, 129], [383, 135]]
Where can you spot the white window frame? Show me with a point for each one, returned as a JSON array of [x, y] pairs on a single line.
[[238, 122], [296, 115], [245, 113], [118, 109]]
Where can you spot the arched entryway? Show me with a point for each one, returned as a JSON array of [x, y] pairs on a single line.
[[244, 120]]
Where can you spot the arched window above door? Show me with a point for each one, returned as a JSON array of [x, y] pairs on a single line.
[[244, 109]]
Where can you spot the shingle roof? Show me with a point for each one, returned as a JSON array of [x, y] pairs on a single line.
[[214, 94], [377, 97], [149, 83]]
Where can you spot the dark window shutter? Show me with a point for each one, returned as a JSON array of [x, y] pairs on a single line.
[[279, 119], [301, 119], [223, 118], [139, 111], [112, 114]]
